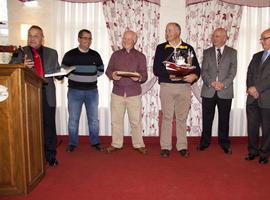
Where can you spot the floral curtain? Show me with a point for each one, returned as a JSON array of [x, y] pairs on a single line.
[[251, 3], [95, 1], [201, 20], [143, 18]]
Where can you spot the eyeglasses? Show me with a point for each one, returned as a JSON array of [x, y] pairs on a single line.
[[86, 38], [263, 39]]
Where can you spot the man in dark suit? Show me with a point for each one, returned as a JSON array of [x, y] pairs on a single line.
[[258, 102], [43, 60], [218, 71]]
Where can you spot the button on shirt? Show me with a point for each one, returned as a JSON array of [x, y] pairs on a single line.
[[132, 61]]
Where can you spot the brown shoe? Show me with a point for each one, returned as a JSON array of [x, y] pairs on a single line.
[[141, 150], [111, 149]]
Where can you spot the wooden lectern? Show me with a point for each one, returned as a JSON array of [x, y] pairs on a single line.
[[22, 164]]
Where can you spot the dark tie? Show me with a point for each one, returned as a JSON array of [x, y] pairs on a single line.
[[38, 63], [218, 56]]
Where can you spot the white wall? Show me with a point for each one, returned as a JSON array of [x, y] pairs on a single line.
[[43, 15], [172, 11]]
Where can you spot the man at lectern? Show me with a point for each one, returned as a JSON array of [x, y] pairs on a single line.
[[42, 60]]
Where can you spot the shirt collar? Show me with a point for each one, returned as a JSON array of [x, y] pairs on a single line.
[[38, 49], [181, 45], [83, 51], [221, 48], [130, 50]]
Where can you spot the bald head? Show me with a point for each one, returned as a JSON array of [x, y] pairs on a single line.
[[219, 37], [265, 39], [129, 39]]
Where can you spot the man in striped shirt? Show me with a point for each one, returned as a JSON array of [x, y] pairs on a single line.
[[82, 89]]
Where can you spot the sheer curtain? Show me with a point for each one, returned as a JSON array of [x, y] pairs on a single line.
[[254, 21], [69, 19]]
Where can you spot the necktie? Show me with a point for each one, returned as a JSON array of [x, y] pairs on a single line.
[[265, 55], [38, 63], [218, 56]]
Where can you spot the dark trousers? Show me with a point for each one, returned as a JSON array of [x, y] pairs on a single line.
[[50, 138], [208, 113], [258, 117]]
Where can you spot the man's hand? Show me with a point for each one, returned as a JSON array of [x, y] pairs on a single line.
[[175, 78], [217, 85], [115, 76], [137, 78], [253, 92], [190, 78], [28, 62]]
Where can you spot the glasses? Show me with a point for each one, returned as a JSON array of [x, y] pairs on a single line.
[[86, 38], [264, 39]]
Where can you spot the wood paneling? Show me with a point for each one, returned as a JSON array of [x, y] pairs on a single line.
[[21, 131]]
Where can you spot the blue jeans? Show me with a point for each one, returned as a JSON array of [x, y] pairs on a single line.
[[76, 98]]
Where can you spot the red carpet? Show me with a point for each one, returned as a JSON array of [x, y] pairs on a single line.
[[126, 175]]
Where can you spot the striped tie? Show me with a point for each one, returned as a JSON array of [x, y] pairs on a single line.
[[218, 56]]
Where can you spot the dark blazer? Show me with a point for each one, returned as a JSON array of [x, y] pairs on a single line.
[[258, 75], [50, 65], [225, 72]]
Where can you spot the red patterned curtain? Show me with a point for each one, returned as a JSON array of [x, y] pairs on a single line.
[[143, 18], [94, 1], [201, 20], [251, 3]]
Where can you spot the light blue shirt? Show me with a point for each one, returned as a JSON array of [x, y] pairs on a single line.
[[266, 53]]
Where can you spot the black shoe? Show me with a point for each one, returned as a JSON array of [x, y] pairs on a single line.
[[53, 162], [70, 148], [251, 156], [184, 153], [201, 147], [227, 150], [165, 153], [98, 147], [263, 160]]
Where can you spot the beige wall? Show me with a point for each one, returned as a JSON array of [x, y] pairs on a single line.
[[19, 14], [170, 11]]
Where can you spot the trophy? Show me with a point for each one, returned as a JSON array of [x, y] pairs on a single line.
[[180, 66]]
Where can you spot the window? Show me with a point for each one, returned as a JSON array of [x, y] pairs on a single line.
[[69, 19]]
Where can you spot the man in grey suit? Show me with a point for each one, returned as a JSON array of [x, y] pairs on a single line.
[[218, 71], [258, 102], [42, 60]]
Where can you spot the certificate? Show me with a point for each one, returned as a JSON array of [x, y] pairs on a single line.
[[61, 72]]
